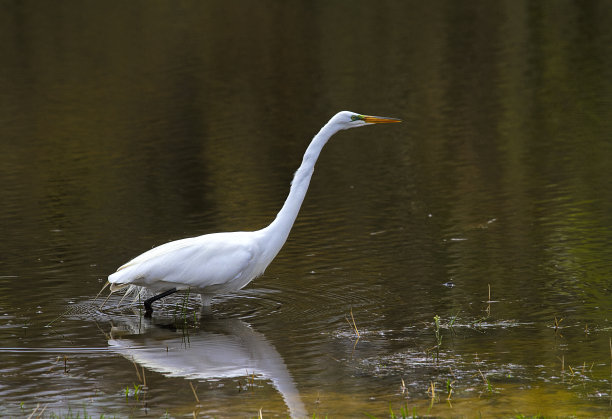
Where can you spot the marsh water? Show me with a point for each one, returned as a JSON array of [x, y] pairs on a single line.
[[457, 264]]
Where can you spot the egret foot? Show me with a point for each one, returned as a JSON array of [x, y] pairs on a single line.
[[147, 303]]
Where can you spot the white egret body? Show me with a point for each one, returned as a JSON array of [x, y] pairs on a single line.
[[224, 262]]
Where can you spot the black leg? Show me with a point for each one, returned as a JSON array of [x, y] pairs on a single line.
[[147, 303]]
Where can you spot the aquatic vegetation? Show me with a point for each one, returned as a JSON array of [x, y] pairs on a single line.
[[486, 381], [404, 413], [41, 412], [437, 332]]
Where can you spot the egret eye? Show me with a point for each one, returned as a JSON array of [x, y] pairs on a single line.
[[356, 117]]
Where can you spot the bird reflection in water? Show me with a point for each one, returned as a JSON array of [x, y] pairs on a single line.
[[220, 348]]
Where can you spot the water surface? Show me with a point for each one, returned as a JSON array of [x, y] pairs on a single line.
[[125, 126]]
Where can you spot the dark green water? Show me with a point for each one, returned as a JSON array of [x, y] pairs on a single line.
[[128, 124]]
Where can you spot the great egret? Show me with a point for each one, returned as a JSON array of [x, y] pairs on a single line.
[[220, 263]]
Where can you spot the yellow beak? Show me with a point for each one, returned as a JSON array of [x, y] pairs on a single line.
[[379, 119]]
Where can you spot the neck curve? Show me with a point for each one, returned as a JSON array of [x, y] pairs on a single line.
[[277, 232]]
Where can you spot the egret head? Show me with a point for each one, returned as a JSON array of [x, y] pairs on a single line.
[[346, 120]]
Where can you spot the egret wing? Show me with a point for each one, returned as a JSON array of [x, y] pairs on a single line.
[[207, 263]]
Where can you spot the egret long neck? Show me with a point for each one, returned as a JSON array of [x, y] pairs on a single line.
[[276, 233]]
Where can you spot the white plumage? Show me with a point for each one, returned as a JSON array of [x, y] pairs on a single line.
[[204, 264], [220, 263]]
